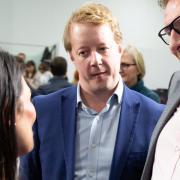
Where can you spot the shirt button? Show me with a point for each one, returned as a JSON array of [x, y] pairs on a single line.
[[93, 146], [97, 118]]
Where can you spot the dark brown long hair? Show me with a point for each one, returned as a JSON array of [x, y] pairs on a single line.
[[10, 90]]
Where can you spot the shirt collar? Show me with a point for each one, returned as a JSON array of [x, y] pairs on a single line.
[[118, 93]]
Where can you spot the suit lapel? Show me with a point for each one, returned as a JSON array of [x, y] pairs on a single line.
[[68, 130], [127, 121]]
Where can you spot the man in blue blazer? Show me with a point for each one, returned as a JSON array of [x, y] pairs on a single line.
[[99, 129]]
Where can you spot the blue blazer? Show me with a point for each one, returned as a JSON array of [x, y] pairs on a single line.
[[53, 157]]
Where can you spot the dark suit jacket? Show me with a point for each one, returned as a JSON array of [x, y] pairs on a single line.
[[54, 84], [172, 103], [55, 131]]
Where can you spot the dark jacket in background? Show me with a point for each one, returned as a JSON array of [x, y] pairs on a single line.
[[139, 87], [54, 84]]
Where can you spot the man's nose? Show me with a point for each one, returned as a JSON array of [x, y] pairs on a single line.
[[174, 42], [96, 59]]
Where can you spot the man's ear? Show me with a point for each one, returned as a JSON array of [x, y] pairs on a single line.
[[120, 48], [71, 56]]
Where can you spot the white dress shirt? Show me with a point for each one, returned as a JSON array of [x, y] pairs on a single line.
[[167, 157]]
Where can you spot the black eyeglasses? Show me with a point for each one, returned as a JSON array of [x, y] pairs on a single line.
[[125, 65], [165, 32]]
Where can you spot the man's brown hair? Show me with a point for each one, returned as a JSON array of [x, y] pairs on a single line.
[[93, 13]]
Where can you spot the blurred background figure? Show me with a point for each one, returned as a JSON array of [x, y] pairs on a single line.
[[43, 75], [59, 80], [17, 115], [163, 94], [29, 73], [21, 57], [132, 70]]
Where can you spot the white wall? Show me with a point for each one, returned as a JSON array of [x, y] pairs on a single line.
[[40, 23]]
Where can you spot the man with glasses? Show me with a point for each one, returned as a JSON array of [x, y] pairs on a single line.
[[163, 160]]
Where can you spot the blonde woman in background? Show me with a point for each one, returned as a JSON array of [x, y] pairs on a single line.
[[132, 70]]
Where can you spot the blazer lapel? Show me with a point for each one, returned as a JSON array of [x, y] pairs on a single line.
[[127, 121], [69, 130]]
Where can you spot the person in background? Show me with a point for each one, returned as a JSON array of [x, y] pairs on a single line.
[[99, 129], [30, 73], [163, 160], [43, 75], [132, 70], [58, 81], [17, 115], [21, 57]]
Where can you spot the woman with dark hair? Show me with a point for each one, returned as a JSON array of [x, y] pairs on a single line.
[[30, 72], [17, 115]]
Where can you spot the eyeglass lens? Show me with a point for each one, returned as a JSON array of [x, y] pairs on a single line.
[[166, 31], [125, 65]]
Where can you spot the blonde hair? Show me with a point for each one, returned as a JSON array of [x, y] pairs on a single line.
[[93, 13], [138, 60], [163, 3]]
